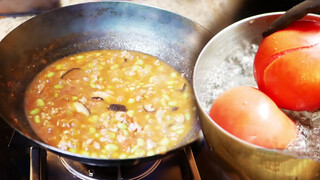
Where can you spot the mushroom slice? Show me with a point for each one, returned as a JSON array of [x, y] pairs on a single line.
[[70, 70], [174, 108], [102, 94], [149, 108], [81, 108], [97, 98], [183, 87], [117, 107]]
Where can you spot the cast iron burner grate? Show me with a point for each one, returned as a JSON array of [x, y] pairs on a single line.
[[47, 165], [87, 172], [16, 155]]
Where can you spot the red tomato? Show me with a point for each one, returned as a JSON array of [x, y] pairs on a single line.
[[287, 66], [250, 115]]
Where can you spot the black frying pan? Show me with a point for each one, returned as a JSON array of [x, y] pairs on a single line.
[[99, 25]]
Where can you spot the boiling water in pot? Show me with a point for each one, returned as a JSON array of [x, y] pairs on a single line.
[[236, 70]]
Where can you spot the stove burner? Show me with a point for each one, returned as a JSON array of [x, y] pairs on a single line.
[[87, 172], [180, 165]]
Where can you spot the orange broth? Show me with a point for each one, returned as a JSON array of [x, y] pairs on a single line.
[[111, 104]]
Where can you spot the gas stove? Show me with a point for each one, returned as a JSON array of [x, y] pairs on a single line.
[[22, 159]]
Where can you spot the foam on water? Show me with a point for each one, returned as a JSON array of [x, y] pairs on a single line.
[[308, 142], [236, 70]]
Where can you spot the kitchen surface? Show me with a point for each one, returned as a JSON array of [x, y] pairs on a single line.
[[214, 15], [21, 159]]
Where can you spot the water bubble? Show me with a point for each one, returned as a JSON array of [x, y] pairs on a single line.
[[235, 70]]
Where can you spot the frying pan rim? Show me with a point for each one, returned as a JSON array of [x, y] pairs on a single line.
[[108, 2], [67, 153]]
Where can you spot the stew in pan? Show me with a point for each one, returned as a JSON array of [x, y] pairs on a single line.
[[111, 104]]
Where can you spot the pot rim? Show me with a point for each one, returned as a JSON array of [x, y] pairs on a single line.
[[250, 19]]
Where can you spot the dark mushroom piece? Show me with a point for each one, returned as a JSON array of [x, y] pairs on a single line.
[[174, 108], [117, 107]]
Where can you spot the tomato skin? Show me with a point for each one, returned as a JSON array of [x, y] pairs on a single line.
[[286, 66], [250, 115]]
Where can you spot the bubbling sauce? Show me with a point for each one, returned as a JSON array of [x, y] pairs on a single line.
[[111, 104]]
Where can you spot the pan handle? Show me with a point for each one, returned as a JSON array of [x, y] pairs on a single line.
[[295, 13], [190, 164], [37, 163]]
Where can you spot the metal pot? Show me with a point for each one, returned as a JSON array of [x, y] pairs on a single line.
[[250, 161], [50, 36]]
